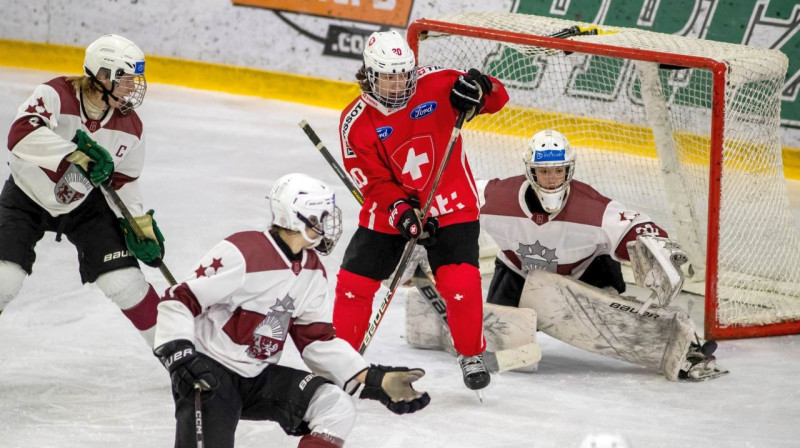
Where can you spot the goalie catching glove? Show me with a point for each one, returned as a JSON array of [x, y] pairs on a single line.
[[92, 159], [656, 263], [186, 367], [392, 387], [149, 250], [468, 93]]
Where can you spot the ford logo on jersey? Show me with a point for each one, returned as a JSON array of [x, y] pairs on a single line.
[[384, 132], [550, 155], [423, 110]]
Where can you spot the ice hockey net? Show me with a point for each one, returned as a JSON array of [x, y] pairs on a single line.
[[683, 129]]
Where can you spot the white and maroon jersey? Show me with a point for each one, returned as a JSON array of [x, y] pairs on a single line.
[[245, 298], [395, 154], [566, 242], [41, 137]]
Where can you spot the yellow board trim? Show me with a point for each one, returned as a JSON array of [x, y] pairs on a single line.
[[266, 84]]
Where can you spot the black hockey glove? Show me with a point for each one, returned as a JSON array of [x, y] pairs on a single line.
[[392, 387], [469, 92], [185, 367], [403, 217], [429, 229]]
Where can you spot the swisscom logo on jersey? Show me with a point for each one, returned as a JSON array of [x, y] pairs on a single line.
[[423, 110], [384, 132]]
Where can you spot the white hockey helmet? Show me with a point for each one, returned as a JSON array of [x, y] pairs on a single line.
[[122, 62], [299, 201], [604, 440], [387, 56], [549, 148]]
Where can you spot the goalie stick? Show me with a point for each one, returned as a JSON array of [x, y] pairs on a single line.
[[500, 361]]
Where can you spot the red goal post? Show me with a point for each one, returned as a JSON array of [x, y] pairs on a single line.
[[660, 122]]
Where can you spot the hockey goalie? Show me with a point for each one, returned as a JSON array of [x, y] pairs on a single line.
[[560, 246]]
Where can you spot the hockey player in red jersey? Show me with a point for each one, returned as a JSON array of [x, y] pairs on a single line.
[[71, 135], [393, 139], [225, 327], [560, 242]]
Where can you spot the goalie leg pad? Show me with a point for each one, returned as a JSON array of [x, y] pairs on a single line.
[[598, 321], [503, 327]]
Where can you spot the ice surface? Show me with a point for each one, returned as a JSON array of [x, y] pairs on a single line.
[[75, 374]]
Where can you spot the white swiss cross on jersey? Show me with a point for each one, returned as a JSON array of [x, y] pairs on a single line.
[[414, 159]]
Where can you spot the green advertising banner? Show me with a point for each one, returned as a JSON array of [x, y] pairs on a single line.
[[760, 23]]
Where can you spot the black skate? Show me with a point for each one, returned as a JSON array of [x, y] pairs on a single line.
[[700, 363], [476, 376]]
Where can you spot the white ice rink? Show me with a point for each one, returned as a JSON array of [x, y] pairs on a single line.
[[75, 374]]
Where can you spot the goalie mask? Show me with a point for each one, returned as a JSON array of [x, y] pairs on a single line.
[[549, 165], [391, 69], [117, 59], [298, 202]]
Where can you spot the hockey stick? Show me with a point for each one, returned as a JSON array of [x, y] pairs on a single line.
[[409, 249], [109, 191], [500, 361]]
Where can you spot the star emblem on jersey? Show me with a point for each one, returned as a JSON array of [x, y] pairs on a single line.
[[627, 216], [270, 335], [216, 264], [536, 256], [39, 108]]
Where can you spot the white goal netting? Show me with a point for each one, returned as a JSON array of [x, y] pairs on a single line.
[[639, 108]]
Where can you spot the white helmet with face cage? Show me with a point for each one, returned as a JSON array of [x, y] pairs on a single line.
[[299, 201], [549, 148], [115, 58], [388, 56]]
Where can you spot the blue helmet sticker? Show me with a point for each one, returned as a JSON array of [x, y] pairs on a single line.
[[139, 68], [423, 110], [384, 132], [549, 155]]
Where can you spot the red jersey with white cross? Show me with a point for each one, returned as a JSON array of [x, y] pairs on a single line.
[[395, 154]]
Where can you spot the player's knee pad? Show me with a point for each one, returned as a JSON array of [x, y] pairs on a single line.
[[11, 278], [136, 298], [125, 287], [331, 412]]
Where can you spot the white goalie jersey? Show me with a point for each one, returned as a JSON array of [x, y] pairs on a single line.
[[243, 301], [566, 242]]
